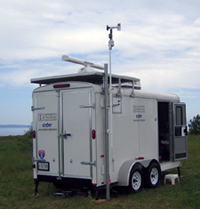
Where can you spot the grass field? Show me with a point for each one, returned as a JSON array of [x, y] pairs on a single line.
[[17, 186]]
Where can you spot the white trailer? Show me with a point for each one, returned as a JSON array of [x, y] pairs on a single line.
[[148, 132]]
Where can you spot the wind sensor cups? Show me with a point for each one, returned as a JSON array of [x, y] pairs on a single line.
[[110, 36], [112, 27]]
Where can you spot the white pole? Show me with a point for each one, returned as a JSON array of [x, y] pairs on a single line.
[[110, 130], [106, 129], [111, 101]]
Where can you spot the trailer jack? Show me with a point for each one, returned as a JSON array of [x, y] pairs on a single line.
[[179, 172], [36, 186]]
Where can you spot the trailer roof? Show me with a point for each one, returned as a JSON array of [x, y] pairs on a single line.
[[91, 77]]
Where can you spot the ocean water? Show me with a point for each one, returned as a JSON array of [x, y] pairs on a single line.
[[13, 131]]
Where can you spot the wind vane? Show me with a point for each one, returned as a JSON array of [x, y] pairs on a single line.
[[111, 42]]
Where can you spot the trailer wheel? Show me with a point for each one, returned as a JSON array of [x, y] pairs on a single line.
[[136, 180], [153, 175]]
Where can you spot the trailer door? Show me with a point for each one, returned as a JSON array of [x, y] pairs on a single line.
[[180, 132], [45, 123], [77, 127]]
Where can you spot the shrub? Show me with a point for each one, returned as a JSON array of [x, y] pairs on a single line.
[[194, 126]]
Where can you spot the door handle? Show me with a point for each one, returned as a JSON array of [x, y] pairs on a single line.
[[65, 135]]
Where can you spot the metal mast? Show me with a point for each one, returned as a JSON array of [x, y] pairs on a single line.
[[109, 130]]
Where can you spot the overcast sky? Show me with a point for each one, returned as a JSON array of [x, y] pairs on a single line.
[[159, 43]]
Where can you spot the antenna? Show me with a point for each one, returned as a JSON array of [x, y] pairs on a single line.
[[82, 62]]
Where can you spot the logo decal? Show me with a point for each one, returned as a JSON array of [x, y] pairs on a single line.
[[41, 154], [138, 116], [47, 125]]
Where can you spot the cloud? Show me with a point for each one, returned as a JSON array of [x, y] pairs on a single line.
[[50, 27], [159, 42]]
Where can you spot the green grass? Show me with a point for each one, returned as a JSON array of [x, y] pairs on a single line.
[[17, 186]]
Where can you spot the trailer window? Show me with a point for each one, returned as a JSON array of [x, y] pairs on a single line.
[[179, 120], [179, 116]]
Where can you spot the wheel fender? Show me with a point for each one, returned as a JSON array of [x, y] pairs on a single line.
[[125, 170]]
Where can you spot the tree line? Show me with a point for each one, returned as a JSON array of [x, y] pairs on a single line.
[[194, 125]]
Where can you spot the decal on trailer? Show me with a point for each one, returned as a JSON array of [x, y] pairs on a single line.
[[139, 116], [47, 117], [138, 108], [47, 127], [41, 154]]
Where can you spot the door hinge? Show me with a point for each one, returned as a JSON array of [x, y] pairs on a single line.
[[89, 163], [37, 108], [38, 160], [86, 106]]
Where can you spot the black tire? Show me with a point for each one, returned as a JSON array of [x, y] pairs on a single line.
[[136, 180], [153, 175]]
